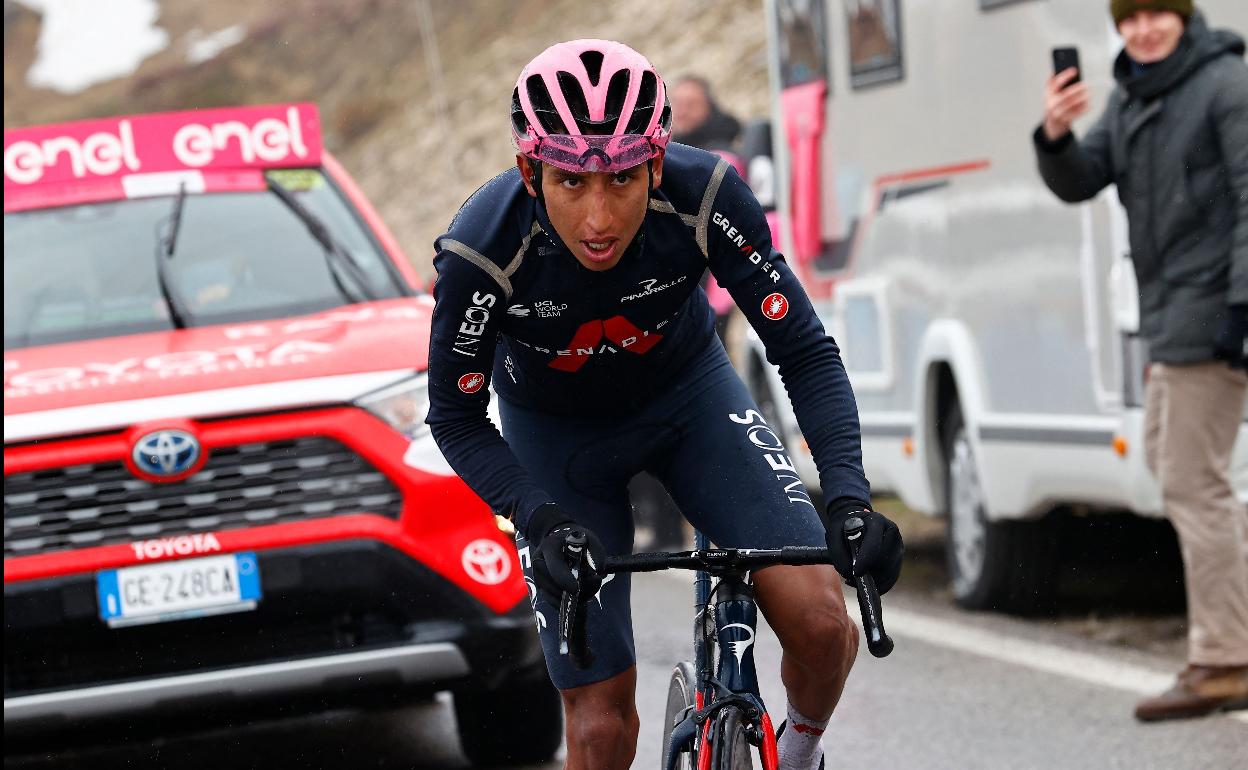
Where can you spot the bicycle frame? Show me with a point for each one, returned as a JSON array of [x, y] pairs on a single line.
[[734, 614]]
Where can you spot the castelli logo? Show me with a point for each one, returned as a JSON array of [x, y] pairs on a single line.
[[486, 562], [776, 306], [471, 382]]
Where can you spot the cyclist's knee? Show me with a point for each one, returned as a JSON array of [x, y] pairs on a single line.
[[603, 714], [805, 606], [852, 638], [827, 643], [610, 727]]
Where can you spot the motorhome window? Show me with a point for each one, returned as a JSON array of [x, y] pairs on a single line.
[[875, 45], [864, 349], [803, 41]]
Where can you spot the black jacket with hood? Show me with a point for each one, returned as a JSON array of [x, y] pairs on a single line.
[[1174, 139]]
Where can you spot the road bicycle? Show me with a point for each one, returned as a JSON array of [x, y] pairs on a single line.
[[715, 718]]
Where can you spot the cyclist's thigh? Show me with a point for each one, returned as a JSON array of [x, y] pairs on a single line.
[[572, 459], [732, 477]]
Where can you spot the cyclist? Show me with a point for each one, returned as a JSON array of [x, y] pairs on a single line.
[[571, 281]]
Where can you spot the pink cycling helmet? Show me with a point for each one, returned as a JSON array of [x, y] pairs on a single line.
[[590, 105]]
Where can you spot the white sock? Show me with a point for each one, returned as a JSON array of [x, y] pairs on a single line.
[[800, 747]]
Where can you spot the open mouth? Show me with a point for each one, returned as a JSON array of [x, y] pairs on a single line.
[[600, 251]]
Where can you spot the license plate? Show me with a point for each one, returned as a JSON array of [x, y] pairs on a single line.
[[174, 590]]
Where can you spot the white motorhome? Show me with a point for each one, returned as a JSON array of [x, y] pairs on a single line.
[[986, 326]]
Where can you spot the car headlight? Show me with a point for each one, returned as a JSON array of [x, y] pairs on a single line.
[[403, 406]]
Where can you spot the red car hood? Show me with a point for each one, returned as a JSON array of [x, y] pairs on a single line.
[[385, 339]]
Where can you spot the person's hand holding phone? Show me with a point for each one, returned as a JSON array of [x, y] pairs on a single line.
[[1065, 101]]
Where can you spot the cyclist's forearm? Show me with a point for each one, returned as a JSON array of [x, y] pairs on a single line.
[[478, 453], [827, 415], [742, 257]]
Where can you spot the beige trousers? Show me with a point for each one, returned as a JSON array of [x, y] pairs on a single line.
[[1192, 417]]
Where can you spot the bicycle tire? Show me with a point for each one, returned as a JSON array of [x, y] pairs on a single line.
[[732, 750], [681, 693]]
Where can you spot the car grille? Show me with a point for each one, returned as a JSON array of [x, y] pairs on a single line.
[[249, 485]]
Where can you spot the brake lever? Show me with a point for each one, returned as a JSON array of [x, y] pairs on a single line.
[[869, 605], [571, 609]]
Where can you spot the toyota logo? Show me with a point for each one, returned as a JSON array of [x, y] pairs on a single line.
[[166, 453], [486, 562]]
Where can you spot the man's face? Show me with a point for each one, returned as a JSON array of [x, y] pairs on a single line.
[[1151, 36], [596, 214], [690, 106]]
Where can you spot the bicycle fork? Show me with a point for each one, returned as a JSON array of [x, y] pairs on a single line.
[[735, 683]]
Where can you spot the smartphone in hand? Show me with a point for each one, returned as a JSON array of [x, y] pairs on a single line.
[[1063, 59]]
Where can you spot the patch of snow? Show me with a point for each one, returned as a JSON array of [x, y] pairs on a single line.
[[200, 47], [85, 42]]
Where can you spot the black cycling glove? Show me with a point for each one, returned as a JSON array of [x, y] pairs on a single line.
[[1228, 346], [547, 530], [880, 551]]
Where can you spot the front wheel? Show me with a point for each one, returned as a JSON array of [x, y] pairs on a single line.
[[732, 748], [681, 698]]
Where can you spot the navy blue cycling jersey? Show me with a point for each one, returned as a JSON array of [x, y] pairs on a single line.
[[514, 305]]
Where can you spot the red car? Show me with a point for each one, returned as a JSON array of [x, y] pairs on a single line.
[[219, 490]]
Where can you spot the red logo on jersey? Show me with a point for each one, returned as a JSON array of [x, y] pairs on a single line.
[[617, 329], [471, 382], [776, 306]]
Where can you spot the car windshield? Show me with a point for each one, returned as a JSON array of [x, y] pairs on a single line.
[[90, 271]]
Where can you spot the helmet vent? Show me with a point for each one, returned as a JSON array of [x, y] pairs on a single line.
[[571, 89], [543, 105], [519, 123], [617, 92], [593, 65], [665, 120], [644, 108]]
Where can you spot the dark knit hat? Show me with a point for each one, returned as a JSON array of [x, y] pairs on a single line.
[[1121, 9]]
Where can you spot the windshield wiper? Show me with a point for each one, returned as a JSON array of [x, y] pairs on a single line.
[[338, 259], [165, 247]]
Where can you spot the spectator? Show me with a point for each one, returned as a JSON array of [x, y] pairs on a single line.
[[1174, 138], [698, 121]]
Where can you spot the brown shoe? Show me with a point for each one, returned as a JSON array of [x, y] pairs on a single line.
[[1200, 690]]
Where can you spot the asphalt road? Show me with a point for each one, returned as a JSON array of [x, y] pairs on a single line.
[[962, 691]]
